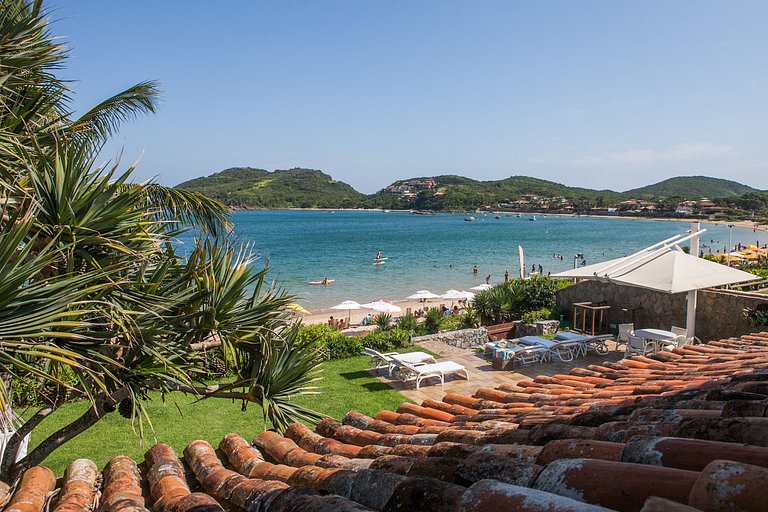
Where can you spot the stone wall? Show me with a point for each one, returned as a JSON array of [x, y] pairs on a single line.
[[537, 328], [464, 338], [719, 313]]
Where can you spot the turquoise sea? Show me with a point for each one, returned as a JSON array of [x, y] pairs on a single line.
[[436, 252]]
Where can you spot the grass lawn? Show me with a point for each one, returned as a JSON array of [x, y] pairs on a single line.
[[180, 420]]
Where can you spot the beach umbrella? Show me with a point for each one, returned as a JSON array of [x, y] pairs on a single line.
[[453, 295], [348, 306], [664, 267], [382, 306], [423, 294], [297, 308], [482, 287], [467, 295]]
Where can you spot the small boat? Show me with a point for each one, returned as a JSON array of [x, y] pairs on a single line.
[[518, 215], [497, 217], [532, 217], [326, 281], [470, 219]]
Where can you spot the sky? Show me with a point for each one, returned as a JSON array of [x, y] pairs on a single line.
[[600, 94]]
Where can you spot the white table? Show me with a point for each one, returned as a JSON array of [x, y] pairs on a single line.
[[659, 337]]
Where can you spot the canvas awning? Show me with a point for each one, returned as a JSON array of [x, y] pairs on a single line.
[[664, 267]]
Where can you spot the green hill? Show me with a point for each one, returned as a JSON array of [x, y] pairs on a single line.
[[691, 187], [460, 193], [246, 187]]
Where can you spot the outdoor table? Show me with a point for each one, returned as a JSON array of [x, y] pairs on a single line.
[[659, 337], [596, 312]]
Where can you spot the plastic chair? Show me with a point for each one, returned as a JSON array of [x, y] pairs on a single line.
[[623, 337], [682, 338], [638, 345]]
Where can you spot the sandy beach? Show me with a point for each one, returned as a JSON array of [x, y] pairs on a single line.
[[321, 315]]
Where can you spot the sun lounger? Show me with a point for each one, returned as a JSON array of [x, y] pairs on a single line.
[[504, 358], [564, 350], [421, 371], [596, 343], [393, 360]]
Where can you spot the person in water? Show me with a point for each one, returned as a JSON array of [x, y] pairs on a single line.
[[488, 279], [474, 269], [378, 255], [325, 280], [506, 276]]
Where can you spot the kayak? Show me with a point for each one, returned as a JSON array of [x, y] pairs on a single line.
[[330, 281]]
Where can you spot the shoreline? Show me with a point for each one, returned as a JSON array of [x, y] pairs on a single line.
[[743, 224]]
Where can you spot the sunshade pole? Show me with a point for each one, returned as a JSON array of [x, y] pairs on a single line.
[[690, 320]]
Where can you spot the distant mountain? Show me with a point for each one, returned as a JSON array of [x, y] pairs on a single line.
[[691, 187], [246, 187]]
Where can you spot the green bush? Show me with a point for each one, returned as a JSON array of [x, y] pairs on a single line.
[[383, 321], [469, 319], [511, 300], [407, 323], [433, 320], [339, 346], [537, 315]]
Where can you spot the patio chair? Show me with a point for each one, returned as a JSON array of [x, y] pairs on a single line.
[[638, 345], [389, 362], [504, 358], [566, 351], [623, 337], [421, 371], [682, 338]]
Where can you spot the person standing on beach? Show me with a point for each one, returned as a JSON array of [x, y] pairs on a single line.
[[488, 279]]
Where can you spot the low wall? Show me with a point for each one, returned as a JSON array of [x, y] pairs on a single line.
[[464, 338], [537, 328], [719, 313]]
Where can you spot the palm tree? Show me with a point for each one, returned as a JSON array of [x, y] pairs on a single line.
[[90, 283]]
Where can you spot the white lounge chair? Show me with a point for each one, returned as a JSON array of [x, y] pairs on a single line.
[[593, 342], [565, 350], [421, 371], [388, 360]]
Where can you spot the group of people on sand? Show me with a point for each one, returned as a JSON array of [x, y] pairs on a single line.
[[337, 323]]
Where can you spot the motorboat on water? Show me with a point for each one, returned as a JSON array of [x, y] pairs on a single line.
[[532, 217], [470, 219]]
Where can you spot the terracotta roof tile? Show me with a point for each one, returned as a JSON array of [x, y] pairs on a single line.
[[666, 432]]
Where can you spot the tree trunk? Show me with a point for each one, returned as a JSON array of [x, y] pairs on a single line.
[[64, 434]]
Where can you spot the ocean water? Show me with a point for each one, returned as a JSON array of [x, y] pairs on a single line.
[[436, 252]]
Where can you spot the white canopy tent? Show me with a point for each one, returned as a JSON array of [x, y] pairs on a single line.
[[665, 267]]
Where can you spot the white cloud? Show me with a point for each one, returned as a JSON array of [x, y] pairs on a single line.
[[676, 153]]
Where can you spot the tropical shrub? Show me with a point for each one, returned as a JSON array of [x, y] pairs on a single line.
[[508, 301], [383, 321], [407, 323], [95, 303], [433, 320], [469, 319]]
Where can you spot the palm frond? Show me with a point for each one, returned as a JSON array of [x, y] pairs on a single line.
[[102, 121]]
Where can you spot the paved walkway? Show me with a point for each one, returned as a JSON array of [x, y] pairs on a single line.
[[481, 374]]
